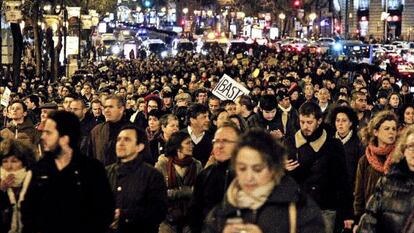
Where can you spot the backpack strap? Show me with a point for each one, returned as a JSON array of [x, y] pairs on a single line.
[[292, 217]]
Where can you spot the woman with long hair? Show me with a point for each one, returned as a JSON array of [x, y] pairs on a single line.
[[261, 198], [180, 171], [391, 208], [379, 137]]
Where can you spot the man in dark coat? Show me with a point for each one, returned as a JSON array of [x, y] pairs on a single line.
[[198, 126], [140, 190], [317, 163], [212, 183], [101, 144], [69, 192]]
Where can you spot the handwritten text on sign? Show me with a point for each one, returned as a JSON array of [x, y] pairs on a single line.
[[228, 89]]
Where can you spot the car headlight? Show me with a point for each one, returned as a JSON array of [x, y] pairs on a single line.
[[204, 52], [164, 54], [337, 46], [116, 49]]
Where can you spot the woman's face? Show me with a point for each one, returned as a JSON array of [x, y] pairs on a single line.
[[409, 151], [394, 101], [11, 164], [342, 124], [386, 133], [186, 147], [409, 116], [153, 123], [251, 171]]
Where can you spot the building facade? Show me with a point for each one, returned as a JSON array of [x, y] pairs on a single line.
[[392, 19]]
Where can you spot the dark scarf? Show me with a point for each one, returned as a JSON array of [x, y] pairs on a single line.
[[315, 135], [189, 176]]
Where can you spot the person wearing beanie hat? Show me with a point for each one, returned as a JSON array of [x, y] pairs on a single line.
[[381, 101], [267, 117], [288, 115]]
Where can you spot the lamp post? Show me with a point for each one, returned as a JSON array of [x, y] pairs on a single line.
[[282, 17], [312, 16], [184, 23]]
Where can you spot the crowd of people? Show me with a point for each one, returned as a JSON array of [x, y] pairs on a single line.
[[143, 145]]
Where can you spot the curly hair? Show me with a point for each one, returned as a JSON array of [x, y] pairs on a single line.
[[367, 133]]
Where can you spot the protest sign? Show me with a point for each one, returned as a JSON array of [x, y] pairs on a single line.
[[228, 89], [5, 98]]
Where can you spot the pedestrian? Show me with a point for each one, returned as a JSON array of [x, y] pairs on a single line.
[[262, 198], [389, 208], [69, 192], [139, 189], [379, 137]]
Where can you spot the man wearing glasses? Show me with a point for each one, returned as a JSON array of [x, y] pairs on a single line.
[[213, 181]]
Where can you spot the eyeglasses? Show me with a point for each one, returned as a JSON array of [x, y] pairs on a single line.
[[223, 141], [409, 147]]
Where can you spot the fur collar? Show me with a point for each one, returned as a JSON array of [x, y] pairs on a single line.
[[346, 138], [316, 145]]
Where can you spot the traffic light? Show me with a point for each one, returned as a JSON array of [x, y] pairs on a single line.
[[296, 3]]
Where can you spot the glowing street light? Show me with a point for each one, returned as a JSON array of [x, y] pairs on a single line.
[[282, 16], [185, 10], [312, 16]]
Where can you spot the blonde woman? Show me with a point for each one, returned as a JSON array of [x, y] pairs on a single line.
[[390, 208], [379, 137]]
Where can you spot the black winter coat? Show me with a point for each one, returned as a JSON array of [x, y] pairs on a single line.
[[392, 202], [75, 199], [140, 193], [354, 150], [209, 191], [273, 216], [323, 174]]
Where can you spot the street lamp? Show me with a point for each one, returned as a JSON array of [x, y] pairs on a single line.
[[282, 17], [312, 16], [185, 11]]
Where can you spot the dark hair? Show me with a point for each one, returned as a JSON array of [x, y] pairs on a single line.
[[310, 108], [68, 124], [96, 101], [242, 122], [272, 151], [268, 102], [80, 100], [155, 113], [195, 110], [247, 101], [21, 150], [141, 135], [141, 139], [401, 112], [349, 112], [174, 144], [34, 99], [19, 102]]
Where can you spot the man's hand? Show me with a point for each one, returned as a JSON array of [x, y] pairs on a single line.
[[291, 164], [348, 223]]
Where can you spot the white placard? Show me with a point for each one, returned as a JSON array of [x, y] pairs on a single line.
[[228, 89], [5, 98]]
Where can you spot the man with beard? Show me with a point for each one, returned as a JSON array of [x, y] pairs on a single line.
[[359, 104], [317, 163], [69, 192]]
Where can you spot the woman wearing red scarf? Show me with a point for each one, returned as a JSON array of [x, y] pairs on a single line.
[[379, 136], [180, 170]]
